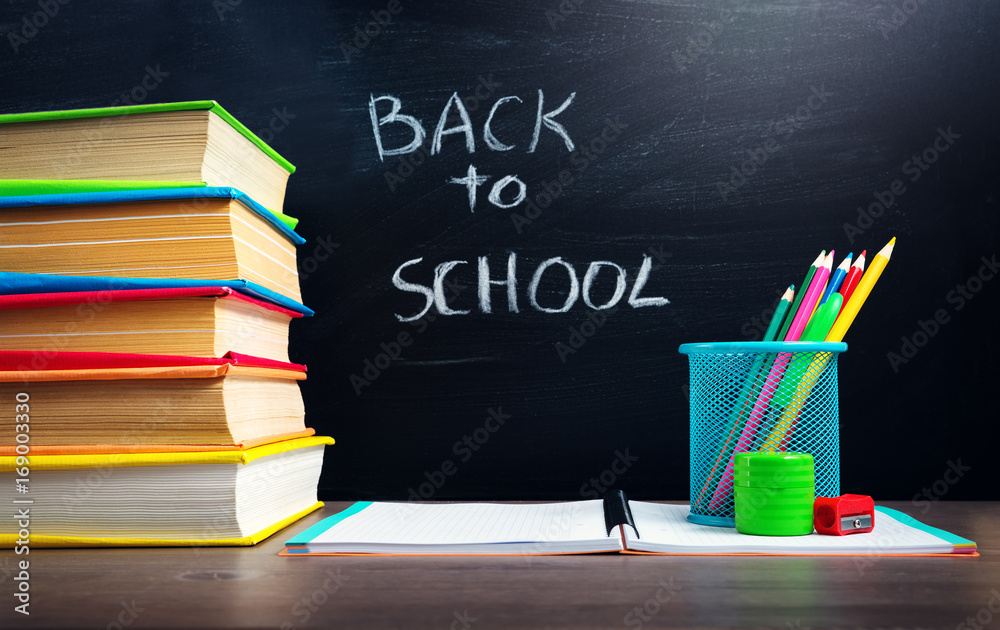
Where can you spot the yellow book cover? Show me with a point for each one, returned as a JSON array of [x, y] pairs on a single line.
[[226, 497]]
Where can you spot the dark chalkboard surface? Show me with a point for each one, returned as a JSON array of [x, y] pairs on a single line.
[[720, 144]]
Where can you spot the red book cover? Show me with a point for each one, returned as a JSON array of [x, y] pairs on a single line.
[[41, 361]]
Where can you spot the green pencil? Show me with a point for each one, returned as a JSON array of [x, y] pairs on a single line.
[[780, 313], [816, 330], [798, 298]]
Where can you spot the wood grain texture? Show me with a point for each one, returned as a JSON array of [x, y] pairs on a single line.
[[255, 588]]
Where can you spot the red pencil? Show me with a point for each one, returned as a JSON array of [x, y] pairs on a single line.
[[853, 277]]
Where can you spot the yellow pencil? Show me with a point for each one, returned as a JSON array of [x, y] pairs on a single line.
[[846, 317], [819, 363]]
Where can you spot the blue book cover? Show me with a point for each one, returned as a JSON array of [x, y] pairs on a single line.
[[155, 194], [22, 283]]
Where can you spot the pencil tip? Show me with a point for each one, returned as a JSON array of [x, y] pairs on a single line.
[[887, 250]]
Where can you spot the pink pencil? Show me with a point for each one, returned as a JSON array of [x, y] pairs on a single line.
[[773, 378], [809, 301]]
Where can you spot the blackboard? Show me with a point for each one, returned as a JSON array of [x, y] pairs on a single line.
[[725, 143]]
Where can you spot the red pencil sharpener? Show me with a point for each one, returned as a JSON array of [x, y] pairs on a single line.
[[846, 514]]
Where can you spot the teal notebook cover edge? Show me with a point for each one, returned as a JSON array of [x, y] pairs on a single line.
[[306, 536], [906, 519]]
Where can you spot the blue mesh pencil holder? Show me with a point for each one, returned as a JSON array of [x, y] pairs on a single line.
[[759, 396]]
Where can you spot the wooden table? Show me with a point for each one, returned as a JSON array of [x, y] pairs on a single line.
[[244, 588]]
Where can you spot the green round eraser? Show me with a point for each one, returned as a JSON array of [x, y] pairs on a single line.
[[774, 493]]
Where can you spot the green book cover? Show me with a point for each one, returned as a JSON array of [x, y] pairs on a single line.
[[26, 187], [148, 109]]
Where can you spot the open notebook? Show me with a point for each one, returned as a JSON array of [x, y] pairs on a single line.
[[589, 527]]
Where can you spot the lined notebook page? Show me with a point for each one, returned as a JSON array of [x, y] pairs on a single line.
[[665, 528], [470, 528]]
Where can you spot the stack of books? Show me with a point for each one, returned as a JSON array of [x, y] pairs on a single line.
[[147, 281]]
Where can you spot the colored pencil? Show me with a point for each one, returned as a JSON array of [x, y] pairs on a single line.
[[810, 299], [851, 281], [800, 294], [844, 320], [747, 395], [784, 305], [860, 294], [836, 279], [822, 320]]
